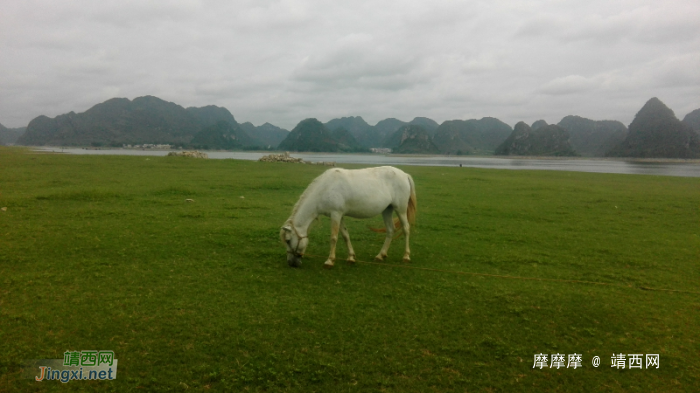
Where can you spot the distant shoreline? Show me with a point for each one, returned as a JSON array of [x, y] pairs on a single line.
[[561, 158], [43, 149]]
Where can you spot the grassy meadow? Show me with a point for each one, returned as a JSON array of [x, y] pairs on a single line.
[[103, 252]]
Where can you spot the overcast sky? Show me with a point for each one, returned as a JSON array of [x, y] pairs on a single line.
[[284, 61]]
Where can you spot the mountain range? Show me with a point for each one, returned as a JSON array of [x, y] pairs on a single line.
[[369, 136], [655, 132]]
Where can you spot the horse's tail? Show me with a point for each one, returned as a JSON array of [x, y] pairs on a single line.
[[412, 203], [410, 211]]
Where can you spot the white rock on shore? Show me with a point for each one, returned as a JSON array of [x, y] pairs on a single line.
[[281, 158], [193, 154], [287, 158]]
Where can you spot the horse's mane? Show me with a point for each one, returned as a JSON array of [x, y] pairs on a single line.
[[311, 188]]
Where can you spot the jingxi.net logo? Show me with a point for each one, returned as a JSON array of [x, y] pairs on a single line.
[[76, 366]]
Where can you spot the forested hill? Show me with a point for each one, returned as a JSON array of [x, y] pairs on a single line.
[[592, 138], [546, 140], [268, 134], [121, 121], [656, 132], [310, 135], [413, 139], [692, 119], [471, 136], [9, 136]]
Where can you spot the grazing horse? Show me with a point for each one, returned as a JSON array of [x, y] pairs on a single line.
[[359, 193]]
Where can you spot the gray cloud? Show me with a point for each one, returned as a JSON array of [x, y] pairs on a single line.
[[570, 84], [283, 61]]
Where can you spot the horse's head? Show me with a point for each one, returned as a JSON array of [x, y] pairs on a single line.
[[295, 243]]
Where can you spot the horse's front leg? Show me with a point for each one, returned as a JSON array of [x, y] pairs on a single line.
[[346, 236], [336, 219], [389, 224]]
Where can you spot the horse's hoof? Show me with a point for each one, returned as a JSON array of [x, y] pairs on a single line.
[[406, 260], [380, 258], [351, 260], [328, 265]]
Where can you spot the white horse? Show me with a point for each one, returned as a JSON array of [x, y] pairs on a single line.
[[360, 193]]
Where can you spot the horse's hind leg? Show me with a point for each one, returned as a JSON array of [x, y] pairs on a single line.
[[389, 224], [336, 221], [406, 232], [346, 237]]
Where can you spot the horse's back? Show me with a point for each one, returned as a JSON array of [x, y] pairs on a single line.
[[364, 192], [381, 177]]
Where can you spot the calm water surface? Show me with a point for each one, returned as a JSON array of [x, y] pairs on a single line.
[[685, 169]]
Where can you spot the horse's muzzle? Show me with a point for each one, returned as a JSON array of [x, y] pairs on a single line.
[[293, 260]]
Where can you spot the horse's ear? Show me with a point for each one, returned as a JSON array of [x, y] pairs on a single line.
[[287, 228]]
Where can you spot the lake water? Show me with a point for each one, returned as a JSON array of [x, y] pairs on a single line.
[[635, 167]]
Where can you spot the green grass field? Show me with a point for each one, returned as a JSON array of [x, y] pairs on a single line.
[[103, 252]]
